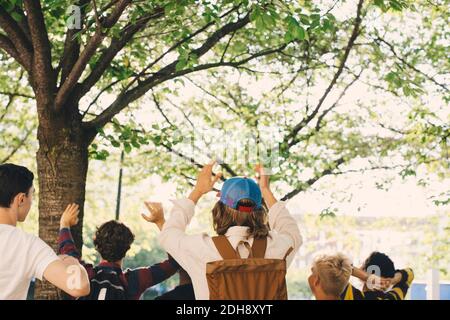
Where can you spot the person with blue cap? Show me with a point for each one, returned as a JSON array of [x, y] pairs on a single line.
[[240, 215]]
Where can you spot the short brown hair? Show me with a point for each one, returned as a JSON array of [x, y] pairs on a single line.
[[225, 217], [112, 240], [334, 273]]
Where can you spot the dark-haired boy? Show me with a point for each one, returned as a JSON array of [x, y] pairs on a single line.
[[25, 256], [380, 264], [112, 241]]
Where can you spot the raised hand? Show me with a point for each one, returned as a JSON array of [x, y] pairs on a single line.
[[69, 218], [156, 214], [262, 177], [205, 181]]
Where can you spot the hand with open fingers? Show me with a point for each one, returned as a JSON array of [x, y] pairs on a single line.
[[206, 179], [156, 212], [69, 218], [262, 177]]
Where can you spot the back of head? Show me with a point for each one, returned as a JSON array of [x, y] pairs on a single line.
[[334, 273], [14, 179], [112, 240], [240, 204], [379, 261], [225, 217]]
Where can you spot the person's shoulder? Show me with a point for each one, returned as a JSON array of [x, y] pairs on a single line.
[[279, 238], [32, 239], [24, 240], [278, 244], [15, 232]]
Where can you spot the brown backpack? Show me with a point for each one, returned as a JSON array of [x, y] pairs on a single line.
[[254, 278]]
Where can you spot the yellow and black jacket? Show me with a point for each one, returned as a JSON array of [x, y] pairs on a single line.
[[398, 292]]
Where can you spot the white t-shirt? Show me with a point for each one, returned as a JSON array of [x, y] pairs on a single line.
[[23, 257]]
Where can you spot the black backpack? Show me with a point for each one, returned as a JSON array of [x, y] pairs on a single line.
[[106, 285]]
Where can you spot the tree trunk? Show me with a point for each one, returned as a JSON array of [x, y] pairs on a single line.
[[62, 161]]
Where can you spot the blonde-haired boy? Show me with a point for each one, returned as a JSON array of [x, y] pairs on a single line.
[[330, 275]]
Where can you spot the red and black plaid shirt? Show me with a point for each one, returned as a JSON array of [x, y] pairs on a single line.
[[135, 281]]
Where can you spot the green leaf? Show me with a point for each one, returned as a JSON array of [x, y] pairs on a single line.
[[304, 19], [181, 64], [300, 33], [16, 16], [288, 37], [127, 147], [259, 22]]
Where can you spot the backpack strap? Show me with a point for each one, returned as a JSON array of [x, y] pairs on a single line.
[[224, 247], [259, 248], [288, 252]]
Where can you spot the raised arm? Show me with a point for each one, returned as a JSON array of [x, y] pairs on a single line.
[[280, 220], [401, 281], [66, 245], [69, 218], [373, 282], [173, 237]]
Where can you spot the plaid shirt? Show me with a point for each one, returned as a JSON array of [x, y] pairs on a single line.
[[135, 281]]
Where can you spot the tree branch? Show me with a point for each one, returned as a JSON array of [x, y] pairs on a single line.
[[392, 49], [310, 182], [10, 49], [225, 166], [17, 147], [290, 138], [117, 44], [23, 50], [89, 50], [336, 103], [43, 73], [192, 184], [158, 106], [130, 96], [110, 85], [174, 46], [183, 156], [17, 94], [13, 95], [166, 73], [72, 45]]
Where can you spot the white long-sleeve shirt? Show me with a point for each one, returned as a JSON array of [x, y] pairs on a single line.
[[193, 252]]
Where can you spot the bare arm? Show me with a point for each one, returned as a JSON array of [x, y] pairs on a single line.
[[360, 274], [264, 185], [372, 281], [68, 275]]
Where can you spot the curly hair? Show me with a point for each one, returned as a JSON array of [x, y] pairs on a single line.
[[225, 217], [112, 240]]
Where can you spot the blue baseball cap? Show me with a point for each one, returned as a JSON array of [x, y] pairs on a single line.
[[238, 188]]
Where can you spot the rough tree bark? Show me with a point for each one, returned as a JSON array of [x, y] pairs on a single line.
[[62, 161]]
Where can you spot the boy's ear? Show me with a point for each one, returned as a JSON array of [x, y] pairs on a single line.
[[218, 194], [19, 199], [316, 281]]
